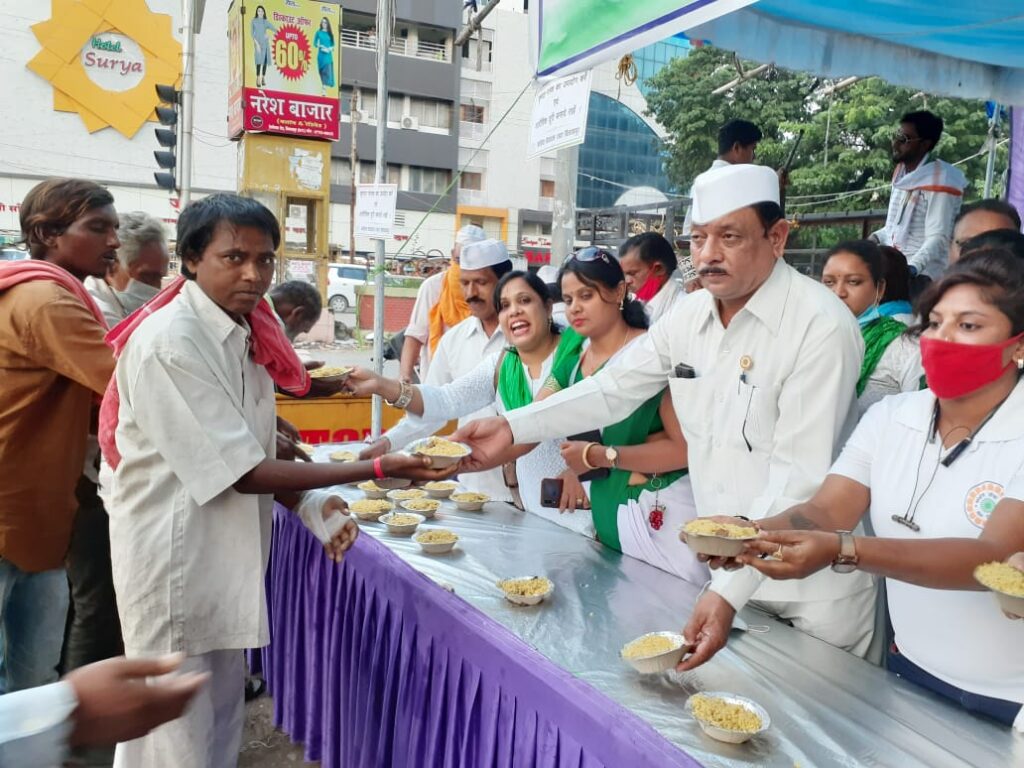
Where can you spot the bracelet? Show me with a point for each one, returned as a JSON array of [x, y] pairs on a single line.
[[378, 468], [404, 396], [586, 450]]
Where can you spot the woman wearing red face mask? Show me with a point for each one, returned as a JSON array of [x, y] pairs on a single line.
[[940, 473]]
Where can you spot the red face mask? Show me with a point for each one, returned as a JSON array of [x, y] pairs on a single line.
[[954, 370], [651, 287]]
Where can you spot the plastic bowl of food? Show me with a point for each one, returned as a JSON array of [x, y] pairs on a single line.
[[343, 457], [442, 452], [402, 523], [406, 494], [711, 537], [655, 652], [728, 717], [526, 590], [330, 373], [436, 541], [372, 490], [1006, 583], [470, 502], [306, 448], [425, 507], [440, 489], [392, 483], [370, 509]]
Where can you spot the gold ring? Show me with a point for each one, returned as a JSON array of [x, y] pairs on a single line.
[[579, 502], [778, 554]]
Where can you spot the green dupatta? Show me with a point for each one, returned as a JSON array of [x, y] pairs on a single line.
[[513, 385], [878, 335], [608, 494]]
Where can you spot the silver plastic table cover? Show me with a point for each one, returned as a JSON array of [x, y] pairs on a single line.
[[827, 707]]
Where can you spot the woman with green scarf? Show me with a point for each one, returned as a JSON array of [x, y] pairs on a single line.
[[645, 497], [510, 379], [875, 286]]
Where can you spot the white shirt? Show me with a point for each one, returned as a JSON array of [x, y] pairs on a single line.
[[898, 370], [418, 328], [188, 551], [961, 637], [796, 406], [35, 725], [460, 350], [660, 304], [688, 220]]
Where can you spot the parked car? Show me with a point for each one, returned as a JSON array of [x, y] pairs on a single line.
[[343, 279]]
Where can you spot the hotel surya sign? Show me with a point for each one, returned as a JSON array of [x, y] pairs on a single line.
[[103, 57]]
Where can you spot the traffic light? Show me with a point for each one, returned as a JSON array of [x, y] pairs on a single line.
[[167, 137]]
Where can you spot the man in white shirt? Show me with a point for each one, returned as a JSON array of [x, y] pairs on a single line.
[[737, 143], [481, 265], [926, 195], [762, 366], [416, 349], [648, 261]]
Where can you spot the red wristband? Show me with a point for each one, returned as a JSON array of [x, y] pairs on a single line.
[[378, 468]]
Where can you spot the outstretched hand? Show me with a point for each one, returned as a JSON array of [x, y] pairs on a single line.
[[411, 467], [363, 382], [791, 554], [716, 562], [344, 537], [1017, 561], [489, 438], [708, 629]]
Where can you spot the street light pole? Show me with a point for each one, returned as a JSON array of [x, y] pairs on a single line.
[[385, 17], [188, 18]]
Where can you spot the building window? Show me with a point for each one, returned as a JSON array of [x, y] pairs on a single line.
[[471, 180], [341, 171], [547, 188], [431, 113], [367, 105], [471, 113], [368, 170], [432, 181], [469, 54]]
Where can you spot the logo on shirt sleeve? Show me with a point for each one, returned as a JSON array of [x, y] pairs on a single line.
[[981, 500]]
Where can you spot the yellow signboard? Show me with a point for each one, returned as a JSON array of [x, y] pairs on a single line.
[[285, 68], [103, 58]]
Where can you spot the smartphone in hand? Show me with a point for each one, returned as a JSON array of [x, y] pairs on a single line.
[[551, 492]]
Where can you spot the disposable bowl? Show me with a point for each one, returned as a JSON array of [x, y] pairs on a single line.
[[659, 662], [726, 734], [436, 548], [526, 599], [401, 530], [427, 512], [439, 462]]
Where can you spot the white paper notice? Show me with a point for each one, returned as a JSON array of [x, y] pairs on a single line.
[[560, 114], [375, 210]]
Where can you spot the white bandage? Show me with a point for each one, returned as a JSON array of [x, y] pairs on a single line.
[[310, 511]]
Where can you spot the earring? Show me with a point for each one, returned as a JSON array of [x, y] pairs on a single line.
[[1020, 364], [622, 304]]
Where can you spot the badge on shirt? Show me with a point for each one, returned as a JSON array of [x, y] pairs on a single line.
[[980, 502]]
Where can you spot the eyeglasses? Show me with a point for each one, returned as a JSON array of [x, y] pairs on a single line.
[[592, 254], [901, 138]]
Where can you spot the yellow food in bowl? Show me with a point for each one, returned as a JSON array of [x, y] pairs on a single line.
[[441, 485], [369, 485], [650, 645], [345, 456], [707, 527], [470, 498], [724, 714], [409, 493], [422, 505], [371, 505], [437, 536], [327, 372], [306, 448], [438, 446], [399, 519], [1001, 577], [532, 587]]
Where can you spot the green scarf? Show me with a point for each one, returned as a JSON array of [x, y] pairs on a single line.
[[878, 335], [513, 385], [608, 494]]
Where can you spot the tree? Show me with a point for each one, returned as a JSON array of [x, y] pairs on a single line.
[[843, 162]]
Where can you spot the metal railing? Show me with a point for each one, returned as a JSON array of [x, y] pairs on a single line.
[[356, 38], [471, 196], [432, 51], [472, 131]]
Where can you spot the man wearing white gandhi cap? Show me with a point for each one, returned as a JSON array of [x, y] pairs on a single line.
[[481, 264], [762, 365]]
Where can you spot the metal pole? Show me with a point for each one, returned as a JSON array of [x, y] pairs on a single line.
[[384, 19], [990, 168], [187, 93], [354, 165], [563, 211]]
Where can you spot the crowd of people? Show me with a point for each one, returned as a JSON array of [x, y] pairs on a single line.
[[867, 423]]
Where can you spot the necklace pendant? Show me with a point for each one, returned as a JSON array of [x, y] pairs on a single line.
[[656, 517]]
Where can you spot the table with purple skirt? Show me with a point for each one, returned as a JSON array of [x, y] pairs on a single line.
[[399, 658]]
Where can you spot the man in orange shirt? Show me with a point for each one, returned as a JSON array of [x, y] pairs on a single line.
[[53, 364]]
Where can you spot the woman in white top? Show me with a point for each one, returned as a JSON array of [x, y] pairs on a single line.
[[507, 379], [856, 272], [940, 473]]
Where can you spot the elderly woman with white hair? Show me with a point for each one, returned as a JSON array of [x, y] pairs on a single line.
[[141, 264]]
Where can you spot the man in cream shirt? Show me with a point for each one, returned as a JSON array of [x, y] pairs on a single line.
[[762, 366]]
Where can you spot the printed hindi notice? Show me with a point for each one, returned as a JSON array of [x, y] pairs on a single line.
[[559, 116]]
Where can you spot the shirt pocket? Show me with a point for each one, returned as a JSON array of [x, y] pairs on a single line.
[[694, 403], [756, 412]]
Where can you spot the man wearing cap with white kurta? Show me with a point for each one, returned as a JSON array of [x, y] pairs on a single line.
[[416, 349], [762, 365], [481, 265]]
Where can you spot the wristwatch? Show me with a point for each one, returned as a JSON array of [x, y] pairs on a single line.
[[612, 454], [846, 561]]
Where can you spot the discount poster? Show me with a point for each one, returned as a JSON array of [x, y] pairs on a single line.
[[285, 68]]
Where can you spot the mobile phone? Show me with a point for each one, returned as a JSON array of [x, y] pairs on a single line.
[[551, 492]]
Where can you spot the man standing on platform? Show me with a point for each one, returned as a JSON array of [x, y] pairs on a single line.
[[439, 306], [762, 366], [481, 265], [737, 144], [926, 195]]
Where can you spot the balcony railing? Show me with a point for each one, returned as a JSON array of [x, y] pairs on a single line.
[[424, 49], [472, 131], [471, 196], [433, 51]]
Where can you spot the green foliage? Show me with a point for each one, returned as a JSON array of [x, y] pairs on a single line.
[[859, 129]]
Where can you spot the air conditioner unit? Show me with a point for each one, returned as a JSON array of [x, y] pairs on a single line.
[[410, 123], [356, 116]]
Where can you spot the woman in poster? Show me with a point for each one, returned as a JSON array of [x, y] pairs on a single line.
[[261, 48], [323, 41]]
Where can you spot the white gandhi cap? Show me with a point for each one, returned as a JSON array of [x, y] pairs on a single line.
[[483, 253], [727, 189], [470, 233]]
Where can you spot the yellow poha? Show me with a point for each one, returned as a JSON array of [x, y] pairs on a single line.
[[399, 519], [371, 505], [344, 456], [409, 493], [531, 587], [327, 372], [438, 446], [470, 497], [724, 714], [422, 505], [437, 536], [647, 646], [706, 527], [1001, 577], [369, 485], [441, 485]]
